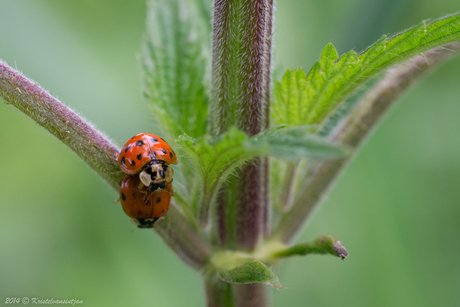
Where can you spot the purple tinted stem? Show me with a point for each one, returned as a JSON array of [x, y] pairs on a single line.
[[82, 137], [266, 118], [220, 65], [249, 227], [96, 150]]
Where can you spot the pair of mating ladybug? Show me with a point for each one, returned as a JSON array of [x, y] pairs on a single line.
[[146, 189]]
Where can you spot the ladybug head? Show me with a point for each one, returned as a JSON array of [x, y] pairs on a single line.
[[156, 175]]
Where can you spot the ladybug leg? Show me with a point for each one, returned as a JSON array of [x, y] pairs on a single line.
[[117, 201], [141, 186], [146, 196]]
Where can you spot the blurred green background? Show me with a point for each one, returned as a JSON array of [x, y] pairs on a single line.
[[396, 207]]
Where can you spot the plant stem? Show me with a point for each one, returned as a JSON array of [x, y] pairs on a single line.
[[252, 68], [73, 130], [222, 227], [323, 245], [96, 150], [220, 100], [265, 198], [240, 83], [218, 293], [240, 95], [251, 295], [182, 239], [249, 227], [267, 65], [355, 128]]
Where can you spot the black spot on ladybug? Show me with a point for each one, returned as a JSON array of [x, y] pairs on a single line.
[[139, 212], [139, 157], [132, 163], [123, 196], [127, 148], [155, 140], [162, 210], [140, 143], [134, 194], [170, 154], [164, 151], [122, 161], [158, 199], [173, 152]]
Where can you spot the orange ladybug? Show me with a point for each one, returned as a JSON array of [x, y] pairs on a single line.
[[143, 206], [149, 156]]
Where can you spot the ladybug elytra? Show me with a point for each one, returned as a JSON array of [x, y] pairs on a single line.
[[149, 156], [143, 206]]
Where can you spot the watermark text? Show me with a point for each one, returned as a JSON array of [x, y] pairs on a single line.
[[41, 301]]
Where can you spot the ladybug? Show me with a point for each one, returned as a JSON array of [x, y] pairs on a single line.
[[143, 206], [149, 156]]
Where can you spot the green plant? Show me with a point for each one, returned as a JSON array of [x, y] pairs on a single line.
[[209, 222]]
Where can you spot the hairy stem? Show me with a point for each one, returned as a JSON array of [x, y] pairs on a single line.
[[240, 83], [251, 295], [96, 150], [252, 68], [220, 100], [323, 245], [267, 65], [250, 107], [73, 130], [249, 228], [221, 217], [355, 128], [182, 239], [240, 96], [265, 199], [218, 293]]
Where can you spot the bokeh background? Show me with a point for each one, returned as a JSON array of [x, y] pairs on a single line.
[[396, 207]]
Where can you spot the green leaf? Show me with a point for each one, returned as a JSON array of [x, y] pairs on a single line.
[[249, 272], [175, 55], [331, 80], [291, 97], [323, 245], [214, 159], [295, 143]]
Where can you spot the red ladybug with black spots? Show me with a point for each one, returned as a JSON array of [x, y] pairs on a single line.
[[149, 156], [143, 206]]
